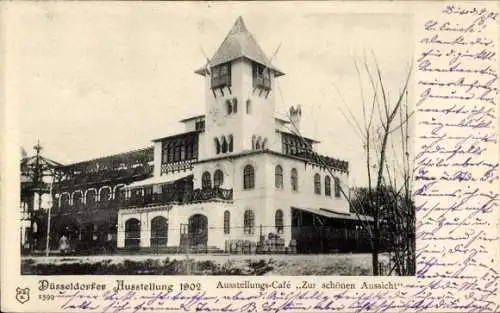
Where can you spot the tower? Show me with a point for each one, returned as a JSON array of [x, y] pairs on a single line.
[[239, 95]]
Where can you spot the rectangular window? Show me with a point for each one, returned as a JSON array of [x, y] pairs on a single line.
[[221, 76], [261, 76]]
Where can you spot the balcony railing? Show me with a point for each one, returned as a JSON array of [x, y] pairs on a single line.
[[173, 196], [221, 81], [185, 165], [191, 196], [262, 82], [98, 205]]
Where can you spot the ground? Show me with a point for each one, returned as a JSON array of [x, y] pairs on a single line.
[[202, 264]]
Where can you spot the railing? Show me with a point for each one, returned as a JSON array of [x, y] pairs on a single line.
[[196, 195], [110, 174], [173, 196], [177, 166], [221, 81], [262, 82], [98, 205], [335, 163]]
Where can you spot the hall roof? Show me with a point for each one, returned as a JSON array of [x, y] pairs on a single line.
[[329, 213], [239, 43]]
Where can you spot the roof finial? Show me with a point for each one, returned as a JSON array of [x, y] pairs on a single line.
[[38, 147], [239, 26]]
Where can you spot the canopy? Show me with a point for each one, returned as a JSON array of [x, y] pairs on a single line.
[[336, 215], [160, 180]]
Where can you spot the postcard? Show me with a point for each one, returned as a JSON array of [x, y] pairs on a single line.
[[249, 157]]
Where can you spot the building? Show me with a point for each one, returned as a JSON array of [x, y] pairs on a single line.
[[238, 179], [237, 173], [35, 197]]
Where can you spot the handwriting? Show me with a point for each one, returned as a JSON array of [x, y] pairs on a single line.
[[456, 164]]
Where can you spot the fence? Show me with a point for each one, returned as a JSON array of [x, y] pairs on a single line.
[[239, 240]]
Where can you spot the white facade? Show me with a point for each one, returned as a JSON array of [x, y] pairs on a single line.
[[253, 136]]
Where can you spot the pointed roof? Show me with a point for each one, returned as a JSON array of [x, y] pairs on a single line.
[[240, 43]]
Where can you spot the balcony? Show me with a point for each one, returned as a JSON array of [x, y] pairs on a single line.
[[221, 81], [262, 82], [190, 196], [88, 207], [185, 165]]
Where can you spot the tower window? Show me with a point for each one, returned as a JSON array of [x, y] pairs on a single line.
[[278, 177], [294, 180], [248, 177], [261, 76], [206, 181], [224, 144], [221, 76], [230, 148], [218, 178], [249, 106], [217, 145], [229, 107], [235, 105]]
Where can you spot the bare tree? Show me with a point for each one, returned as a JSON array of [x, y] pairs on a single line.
[[384, 130]]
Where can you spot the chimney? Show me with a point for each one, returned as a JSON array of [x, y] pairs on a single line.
[[295, 116]]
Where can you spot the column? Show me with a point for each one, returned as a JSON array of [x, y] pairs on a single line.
[[120, 232], [145, 231]]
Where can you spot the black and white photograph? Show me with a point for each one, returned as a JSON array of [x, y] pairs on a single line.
[[187, 139]]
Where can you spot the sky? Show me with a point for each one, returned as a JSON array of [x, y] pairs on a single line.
[[90, 79]]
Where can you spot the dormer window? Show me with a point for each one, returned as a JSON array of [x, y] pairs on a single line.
[[261, 76], [221, 76]]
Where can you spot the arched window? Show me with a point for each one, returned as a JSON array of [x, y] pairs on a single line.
[[294, 179], [159, 231], [257, 143], [64, 199], [90, 196], [77, 199], [132, 233], [119, 192], [249, 106], [230, 148], [248, 222], [248, 177], [229, 106], [253, 142], [235, 105], [264, 143], [104, 193], [317, 184], [337, 187], [227, 221], [206, 181], [217, 145], [278, 221], [218, 178], [328, 188], [224, 144], [278, 177]]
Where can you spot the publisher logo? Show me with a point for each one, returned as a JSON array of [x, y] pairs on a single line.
[[22, 295]]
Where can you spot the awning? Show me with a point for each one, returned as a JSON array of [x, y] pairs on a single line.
[[160, 180], [336, 215]]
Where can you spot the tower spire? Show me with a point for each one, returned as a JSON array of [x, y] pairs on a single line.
[[238, 27]]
